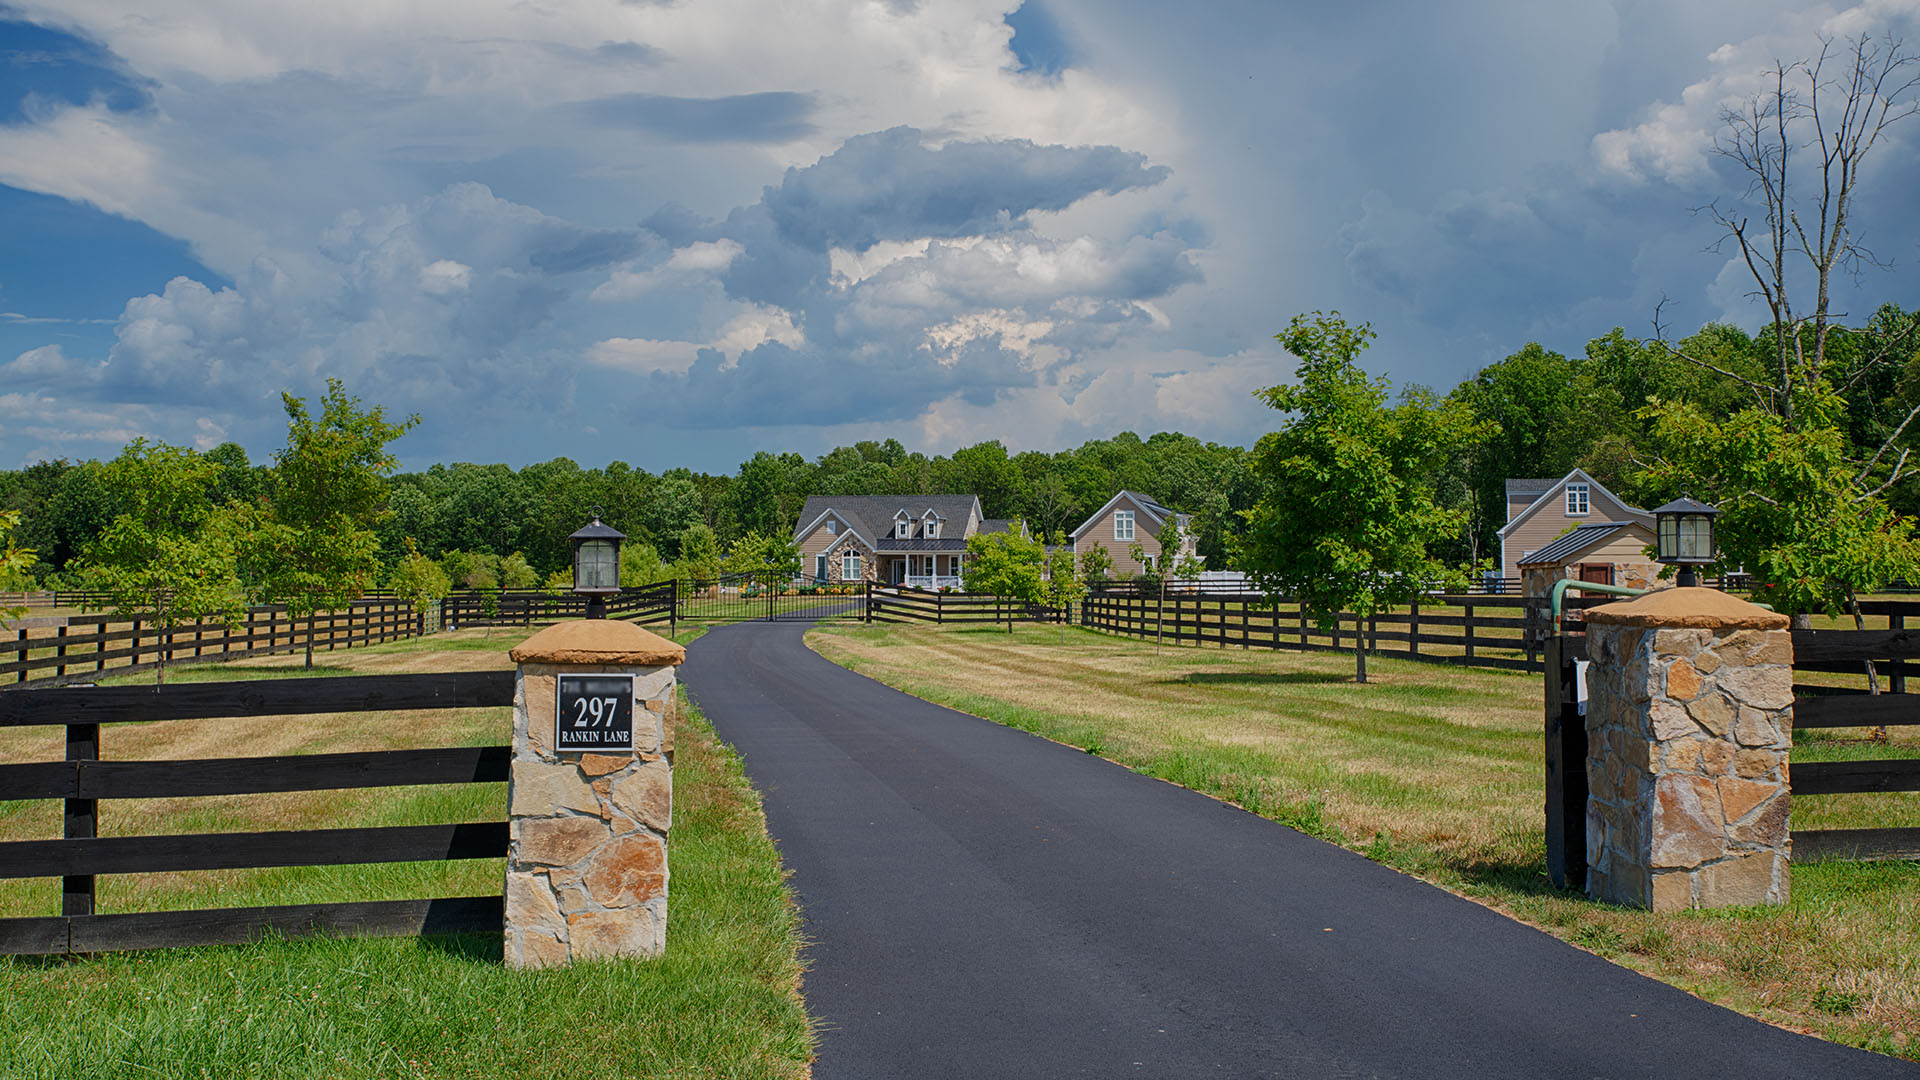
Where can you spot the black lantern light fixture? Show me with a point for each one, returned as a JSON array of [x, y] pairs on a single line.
[[1685, 530], [596, 564]]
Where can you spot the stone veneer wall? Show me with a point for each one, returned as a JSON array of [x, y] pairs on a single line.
[[587, 853], [1689, 723]]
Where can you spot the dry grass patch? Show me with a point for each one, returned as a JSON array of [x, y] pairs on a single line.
[[1437, 771]]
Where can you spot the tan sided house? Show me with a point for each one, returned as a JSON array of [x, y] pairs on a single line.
[[1574, 527], [916, 540], [1126, 520]]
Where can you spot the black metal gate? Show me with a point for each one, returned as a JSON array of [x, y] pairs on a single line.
[[752, 597]]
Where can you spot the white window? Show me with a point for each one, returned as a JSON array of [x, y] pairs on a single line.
[[820, 567], [1146, 562], [903, 528], [1577, 500], [849, 565], [1123, 525], [932, 531], [832, 527]]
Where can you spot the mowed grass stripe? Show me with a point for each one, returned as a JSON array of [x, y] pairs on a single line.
[[1437, 771]]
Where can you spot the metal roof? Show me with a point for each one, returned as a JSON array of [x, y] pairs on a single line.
[[1574, 543]]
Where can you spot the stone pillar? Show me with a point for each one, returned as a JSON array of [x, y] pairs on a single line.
[[1689, 723], [587, 855]]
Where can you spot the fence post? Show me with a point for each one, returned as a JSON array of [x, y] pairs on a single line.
[[1566, 770], [81, 820], [1469, 628], [1896, 670], [23, 655], [1413, 630], [60, 651]]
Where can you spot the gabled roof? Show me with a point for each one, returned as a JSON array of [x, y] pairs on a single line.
[[1152, 509], [994, 525], [1582, 539], [853, 528], [1552, 491], [873, 515]]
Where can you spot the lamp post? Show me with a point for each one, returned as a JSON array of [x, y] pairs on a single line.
[[596, 564], [1685, 530]]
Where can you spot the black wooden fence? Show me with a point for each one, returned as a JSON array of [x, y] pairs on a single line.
[[80, 647], [83, 779], [1474, 630], [898, 603]]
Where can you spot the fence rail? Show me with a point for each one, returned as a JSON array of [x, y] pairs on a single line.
[[82, 647], [83, 779]]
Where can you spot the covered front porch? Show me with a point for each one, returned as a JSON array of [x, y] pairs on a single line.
[[940, 571]]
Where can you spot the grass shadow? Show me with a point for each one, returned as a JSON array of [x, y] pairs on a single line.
[[1258, 678], [483, 947], [1515, 878]]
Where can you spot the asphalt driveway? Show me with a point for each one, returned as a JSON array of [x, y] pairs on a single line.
[[983, 903]]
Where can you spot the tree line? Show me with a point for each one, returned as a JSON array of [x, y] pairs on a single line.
[[1538, 413]]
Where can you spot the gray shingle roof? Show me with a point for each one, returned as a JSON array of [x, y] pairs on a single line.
[[1574, 543], [1531, 486], [873, 515]]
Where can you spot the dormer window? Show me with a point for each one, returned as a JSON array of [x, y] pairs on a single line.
[[903, 526], [833, 527], [1577, 500], [932, 529]]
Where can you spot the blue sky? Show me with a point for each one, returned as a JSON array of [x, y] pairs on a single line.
[[675, 234]]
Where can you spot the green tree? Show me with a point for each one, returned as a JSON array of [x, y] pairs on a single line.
[[15, 562], [699, 554], [315, 547], [517, 573], [1063, 580], [672, 509], [1005, 564], [1806, 520], [169, 556], [1347, 510], [640, 564], [1095, 565], [768, 557], [418, 580]]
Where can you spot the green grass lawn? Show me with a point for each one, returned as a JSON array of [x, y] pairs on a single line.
[[722, 1002], [1436, 771]]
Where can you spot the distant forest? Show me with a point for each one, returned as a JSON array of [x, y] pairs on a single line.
[[1553, 412]]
